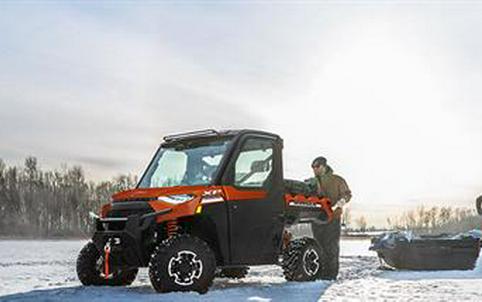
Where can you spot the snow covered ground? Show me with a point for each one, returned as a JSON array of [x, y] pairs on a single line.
[[45, 271]]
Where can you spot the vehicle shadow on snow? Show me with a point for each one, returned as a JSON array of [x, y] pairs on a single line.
[[220, 291]]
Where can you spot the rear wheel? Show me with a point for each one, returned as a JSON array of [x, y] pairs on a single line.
[[233, 272], [90, 264], [182, 263], [302, 260]]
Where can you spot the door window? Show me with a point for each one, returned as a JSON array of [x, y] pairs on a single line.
[[254, 164]]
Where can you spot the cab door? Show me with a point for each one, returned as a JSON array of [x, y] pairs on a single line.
[[255, 201]]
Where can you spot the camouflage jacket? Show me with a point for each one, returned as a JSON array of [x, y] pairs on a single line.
[[331, 185]]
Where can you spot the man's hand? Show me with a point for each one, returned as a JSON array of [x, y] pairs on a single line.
[[341, 203], [337, 213]]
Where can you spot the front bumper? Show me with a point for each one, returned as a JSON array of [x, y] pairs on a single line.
[[126, 237]]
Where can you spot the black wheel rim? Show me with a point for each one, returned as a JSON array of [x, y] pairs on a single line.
[[185, 267], [311, 263]]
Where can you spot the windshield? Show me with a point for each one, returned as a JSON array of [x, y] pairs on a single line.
[[185, 164]]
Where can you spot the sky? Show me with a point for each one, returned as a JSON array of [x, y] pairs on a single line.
[[389, 92]]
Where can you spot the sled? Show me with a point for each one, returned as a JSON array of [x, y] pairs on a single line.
[[427, 252]]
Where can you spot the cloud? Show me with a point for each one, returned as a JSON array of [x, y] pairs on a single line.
[[389, 93], [78, 91]]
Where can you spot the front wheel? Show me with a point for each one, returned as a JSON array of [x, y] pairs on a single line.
[[301, 260], [90, 263], [182, 263]]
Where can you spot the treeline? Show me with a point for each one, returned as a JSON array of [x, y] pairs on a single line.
[[46, 204], [436, 220], [422, 220]]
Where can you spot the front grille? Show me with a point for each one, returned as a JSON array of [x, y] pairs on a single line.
[[127, 208], [137, 199]]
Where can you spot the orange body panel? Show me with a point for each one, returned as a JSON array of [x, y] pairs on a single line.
[[180, 210], [235, 194], [223, 192], [105, 209], [323, 201], [155, 192], [187, 208]]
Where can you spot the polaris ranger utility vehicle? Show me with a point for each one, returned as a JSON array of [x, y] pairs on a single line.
[[209, 202]]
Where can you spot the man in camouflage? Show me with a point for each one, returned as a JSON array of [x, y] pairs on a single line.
[[328, 235]]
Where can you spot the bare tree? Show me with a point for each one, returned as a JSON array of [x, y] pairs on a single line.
[[361, 222], [436, 220], [51, 203]]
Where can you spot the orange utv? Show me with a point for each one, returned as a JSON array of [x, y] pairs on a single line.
[[210, 203]]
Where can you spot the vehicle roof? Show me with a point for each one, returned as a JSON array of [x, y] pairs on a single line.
[[212, 133]]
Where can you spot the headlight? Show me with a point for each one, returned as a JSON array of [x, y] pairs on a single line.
[[176, 199]]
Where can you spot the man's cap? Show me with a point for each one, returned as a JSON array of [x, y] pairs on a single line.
[[319, 161]]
